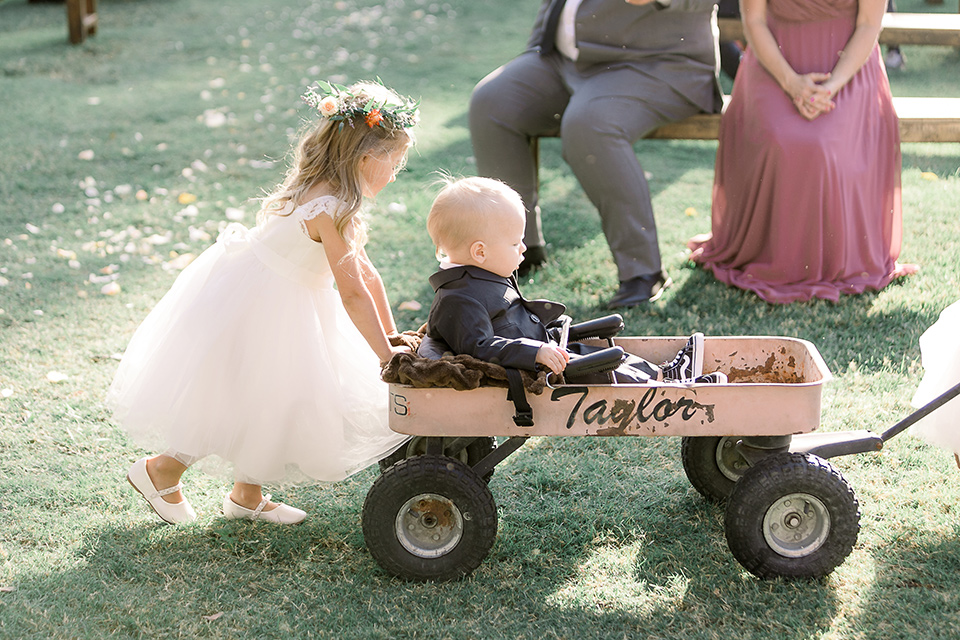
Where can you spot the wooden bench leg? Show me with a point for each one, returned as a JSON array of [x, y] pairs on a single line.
[[81, 19], [92, 18]]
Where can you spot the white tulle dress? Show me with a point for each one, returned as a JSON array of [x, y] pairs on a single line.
[[251, 363], [940, 354]]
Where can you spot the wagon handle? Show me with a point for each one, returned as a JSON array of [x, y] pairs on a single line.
[[565, 332], [565, 321], [923, 411]]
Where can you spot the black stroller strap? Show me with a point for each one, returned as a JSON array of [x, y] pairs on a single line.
[[524, 413]]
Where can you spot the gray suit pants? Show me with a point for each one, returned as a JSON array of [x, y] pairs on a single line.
[[598, 116]]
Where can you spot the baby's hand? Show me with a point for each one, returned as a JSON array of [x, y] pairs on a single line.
[[553, 357]]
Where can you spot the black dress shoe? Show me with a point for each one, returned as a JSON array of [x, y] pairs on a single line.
[[533, 258], [638, 290]]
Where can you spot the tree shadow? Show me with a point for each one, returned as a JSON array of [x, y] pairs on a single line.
[[913, 594], [617, 544]]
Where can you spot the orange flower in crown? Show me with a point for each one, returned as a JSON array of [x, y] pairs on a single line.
[[341, 104], [373, 118]]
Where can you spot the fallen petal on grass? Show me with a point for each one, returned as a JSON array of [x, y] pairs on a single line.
[[110, 289], [56, 376], [180, 262]]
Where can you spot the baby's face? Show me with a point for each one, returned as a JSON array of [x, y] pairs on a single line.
[[503, 244]]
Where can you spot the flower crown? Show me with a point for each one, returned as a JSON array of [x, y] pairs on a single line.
[[339, 103]]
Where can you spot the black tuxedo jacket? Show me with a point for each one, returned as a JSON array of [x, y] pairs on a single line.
[[484, 315]]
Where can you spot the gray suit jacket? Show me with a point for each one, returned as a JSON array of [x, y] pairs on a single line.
[[676, 44]]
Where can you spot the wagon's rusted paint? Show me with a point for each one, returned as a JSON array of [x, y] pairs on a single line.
[[774, 388]]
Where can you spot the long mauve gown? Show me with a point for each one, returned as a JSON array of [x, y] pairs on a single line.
[[802, 208]]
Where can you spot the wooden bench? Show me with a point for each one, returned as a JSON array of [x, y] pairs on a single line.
[[81, 19], [898, 28], [921, 120]]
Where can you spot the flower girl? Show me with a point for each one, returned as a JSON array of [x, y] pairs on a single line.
[[253, 361]]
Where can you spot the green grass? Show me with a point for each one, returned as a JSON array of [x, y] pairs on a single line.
[[598, 537]]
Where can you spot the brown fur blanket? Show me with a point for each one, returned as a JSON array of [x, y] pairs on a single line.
[[460, 372]]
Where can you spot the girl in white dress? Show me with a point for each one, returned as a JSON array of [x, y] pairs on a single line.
[[940, 354], [253, 361]]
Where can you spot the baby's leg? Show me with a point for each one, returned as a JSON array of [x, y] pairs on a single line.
[[636, 370]]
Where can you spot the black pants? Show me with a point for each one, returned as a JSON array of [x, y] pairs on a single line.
[[633, 370]]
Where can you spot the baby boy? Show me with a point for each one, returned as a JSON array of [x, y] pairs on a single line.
[[477, 225]]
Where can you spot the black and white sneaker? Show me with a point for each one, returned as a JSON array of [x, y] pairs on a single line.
[[688, 365], [717, 377]]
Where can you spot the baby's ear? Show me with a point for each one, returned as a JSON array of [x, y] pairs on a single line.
[[478, 252]]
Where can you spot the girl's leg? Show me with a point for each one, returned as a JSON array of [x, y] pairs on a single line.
[[165, 471], [249, 496], [157, 479], [244, 502]]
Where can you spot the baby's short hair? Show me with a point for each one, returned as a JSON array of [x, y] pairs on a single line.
[[464, 208]]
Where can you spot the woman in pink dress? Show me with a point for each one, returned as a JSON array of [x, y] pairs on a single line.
[[806, 198]]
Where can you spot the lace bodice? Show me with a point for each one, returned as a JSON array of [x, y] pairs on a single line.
[[283, 244]]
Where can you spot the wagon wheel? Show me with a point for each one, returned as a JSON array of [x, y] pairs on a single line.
[[712, 464], [417, 445], [792, 515], [429, 518]]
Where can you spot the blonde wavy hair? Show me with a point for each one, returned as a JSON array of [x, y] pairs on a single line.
[[330, 151]]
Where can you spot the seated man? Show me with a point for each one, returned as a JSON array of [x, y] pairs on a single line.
[[477, 226], [600, 74]]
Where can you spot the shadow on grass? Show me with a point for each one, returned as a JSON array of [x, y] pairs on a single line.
[[914, 595], [617, 544]]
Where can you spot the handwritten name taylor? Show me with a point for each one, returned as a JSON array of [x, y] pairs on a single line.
[[624, 412]]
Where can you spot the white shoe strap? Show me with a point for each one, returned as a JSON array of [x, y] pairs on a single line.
[[169, 490], [263, 503]]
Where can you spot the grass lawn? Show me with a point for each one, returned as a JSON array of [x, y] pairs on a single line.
[[122, 157]]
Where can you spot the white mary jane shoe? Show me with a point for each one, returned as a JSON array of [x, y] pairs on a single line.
[[283, 514], [171, 513]]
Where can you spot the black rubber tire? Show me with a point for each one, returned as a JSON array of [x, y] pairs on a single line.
[[712, 465], [798, 493], [429, 518], [417, 445]]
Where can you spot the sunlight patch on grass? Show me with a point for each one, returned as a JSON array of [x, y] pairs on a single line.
[[607, 581]]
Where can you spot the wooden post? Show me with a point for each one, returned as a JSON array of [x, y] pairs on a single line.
[[81, 19]]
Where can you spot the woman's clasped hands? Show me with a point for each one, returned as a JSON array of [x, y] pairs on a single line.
[[811, 96]]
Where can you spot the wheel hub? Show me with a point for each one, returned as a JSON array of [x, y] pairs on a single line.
[[729, 461], [796, 525], [429, 525]]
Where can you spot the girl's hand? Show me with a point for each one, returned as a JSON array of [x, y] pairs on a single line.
[[553, 357], [393, 352]]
